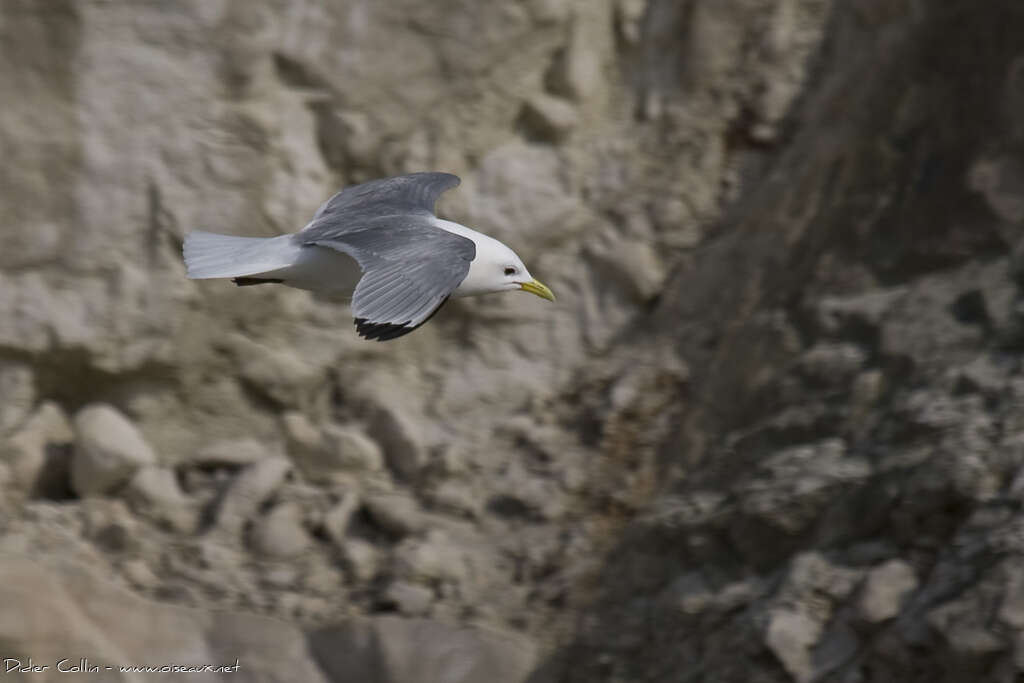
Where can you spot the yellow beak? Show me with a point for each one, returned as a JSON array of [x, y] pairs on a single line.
[[539, 288]]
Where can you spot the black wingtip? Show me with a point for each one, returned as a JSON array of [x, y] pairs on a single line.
[[249, 281], [381, 331], [386, 331]]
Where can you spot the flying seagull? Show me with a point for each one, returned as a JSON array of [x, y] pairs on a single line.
[[381, 243]]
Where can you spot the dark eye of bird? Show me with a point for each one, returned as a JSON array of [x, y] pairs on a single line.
[[510, 271]]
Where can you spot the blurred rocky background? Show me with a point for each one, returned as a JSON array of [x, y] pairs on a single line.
[[773, 429]]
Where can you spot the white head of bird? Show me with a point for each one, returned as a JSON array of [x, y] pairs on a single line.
[[496, 267]]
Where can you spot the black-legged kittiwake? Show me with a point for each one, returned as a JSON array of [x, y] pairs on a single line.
[[380, 242]]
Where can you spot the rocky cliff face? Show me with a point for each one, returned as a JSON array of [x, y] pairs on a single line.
[[769, 432]]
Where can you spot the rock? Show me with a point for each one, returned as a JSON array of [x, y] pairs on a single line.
[[466, 565], [984, 375], [324, 454], [395, 513], [139, 574], [304, 438], [1011, 611], [154, 491], [457, 497], [690, 592], [549, 11], [17, 386], [832, 363], [838, 645], [410, 599], [523, 495], [352, 450], [283, 577], [794, 487], [576, 73], [76, 611], [520, 193], [39, 454], [403, 451], [637, 267], [361, 559], [791, 636], [232, 453], [280, 373], [250, 489], [867, 388], [999, 181], [108, 450], [629, 15], [109, 524], [885, 589], [804, 604], [336, 520], [863, 311], [280, 533], [549, 118], [396, 650], [935, 410], [321, 576], [812, 574], [968, 637]]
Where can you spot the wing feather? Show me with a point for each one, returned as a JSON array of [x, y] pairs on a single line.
[[410, 267], [404, 194]]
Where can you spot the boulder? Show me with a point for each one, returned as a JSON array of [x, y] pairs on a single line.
[[108, 450]]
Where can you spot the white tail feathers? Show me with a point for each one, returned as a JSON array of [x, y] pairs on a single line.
[[208, 255]]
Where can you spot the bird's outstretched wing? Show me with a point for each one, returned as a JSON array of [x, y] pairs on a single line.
[[410, 266], [412, 193]]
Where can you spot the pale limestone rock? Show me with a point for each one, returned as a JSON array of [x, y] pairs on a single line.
[[360, 649], [280, 533], [361, 559], [399, 438], [885, 590], [637, 266], [39, 453], [154, 491], [411, 599], [18, 392], [75, 609], [139, 573], [549, 11], [577, 71], [304, 439], [550, 118], [278, 371], [797, 619], [350, 449], [519, 195], [108, 450], [250, 488], [232, 452], [397, 514], [791, 636], [457, 496], [336, 520], [630, 14]]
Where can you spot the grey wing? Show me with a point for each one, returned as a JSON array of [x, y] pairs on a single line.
[[410, 267], [404, 194]]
